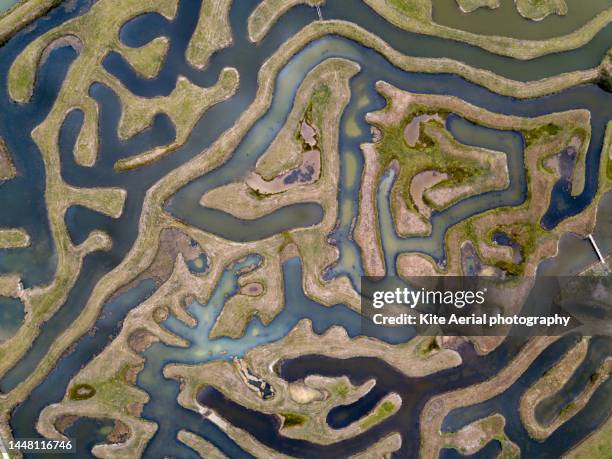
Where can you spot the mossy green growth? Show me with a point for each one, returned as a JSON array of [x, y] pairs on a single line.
[[425, 155], [318, 105], [428, 346], [567, 410], [605, 82], [293, 419], [81, 392], [594, 377], [542, 132], [341, 389], [415, 9], [385, 409]]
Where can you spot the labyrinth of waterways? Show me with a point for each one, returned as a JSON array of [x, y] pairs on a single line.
[[247, 61]]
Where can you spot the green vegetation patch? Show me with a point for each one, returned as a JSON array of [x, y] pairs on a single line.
[[425, 155], [385, 409], [427, 346], [543, 132], [7, 169], [415, 9], [318, 106], [81, 392], [293, 419]]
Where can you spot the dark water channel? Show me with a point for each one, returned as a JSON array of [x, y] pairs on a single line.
[[36, 264]]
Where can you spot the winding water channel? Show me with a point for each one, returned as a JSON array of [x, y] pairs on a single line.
[[37, 263]]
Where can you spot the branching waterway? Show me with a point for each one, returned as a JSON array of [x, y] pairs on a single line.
[[36, 264]]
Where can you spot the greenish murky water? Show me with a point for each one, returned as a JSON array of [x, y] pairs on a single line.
[[6, 4], [506, 21]]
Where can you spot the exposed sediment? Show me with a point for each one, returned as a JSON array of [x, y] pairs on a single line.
[[7, 169]]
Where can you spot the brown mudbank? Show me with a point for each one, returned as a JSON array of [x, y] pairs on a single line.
[[119, 434], [7, 170], [140, 340], [131, 374], [135, 409], [172, 242], [64, 422]]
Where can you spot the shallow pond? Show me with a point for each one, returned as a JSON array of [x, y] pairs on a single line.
[[506, 20]]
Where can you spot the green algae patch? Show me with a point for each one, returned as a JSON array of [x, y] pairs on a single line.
[[81, 392], [385, 409], [341, 389], [543, 132], [293, 419], [428, 346]]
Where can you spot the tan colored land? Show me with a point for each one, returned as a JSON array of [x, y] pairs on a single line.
[[467, 6], [14, 238], [335, 343], [437, 408], [308, 421], [490, 80], [537, 10], [204, 448], [310, 244], [316, 395], [416, 16], [179, 105], [521, 222], [148, 59], [265, 15], [433, 173], [596, 446], [212, 33], [7, 169], [265, 189], [366, 232], [21, 14], [383, 448], [551, 383], [241, 308], [94, 34], [473, 437], [10, 285], [221, 253], [97, 31]]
